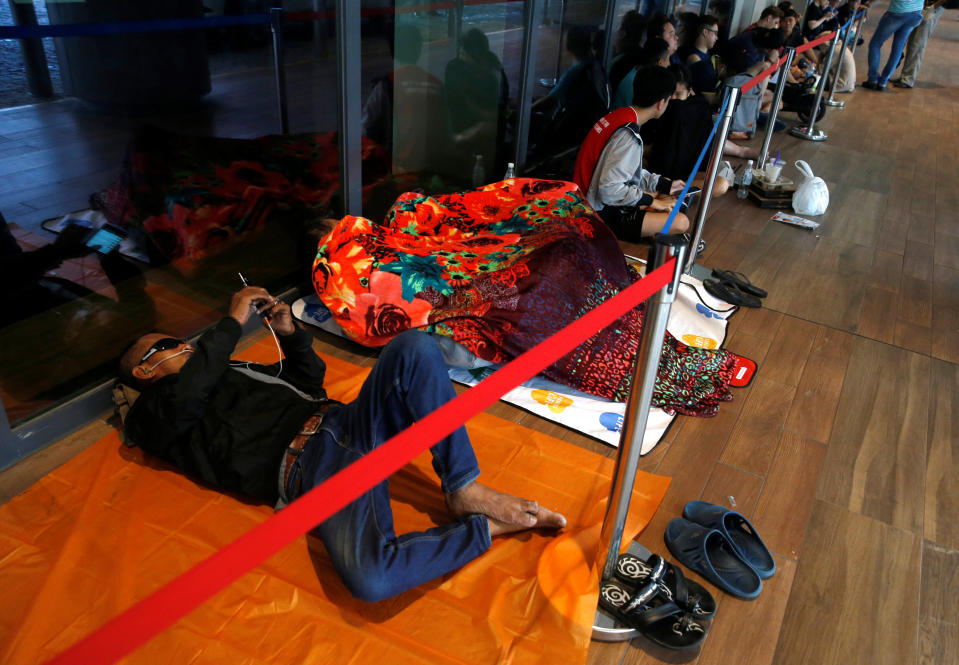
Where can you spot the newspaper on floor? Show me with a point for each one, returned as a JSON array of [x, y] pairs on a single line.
[[796, 220]]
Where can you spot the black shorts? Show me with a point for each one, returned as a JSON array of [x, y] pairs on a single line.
[[626, 222]]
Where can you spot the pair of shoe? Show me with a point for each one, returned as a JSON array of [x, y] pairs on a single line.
[[722, 546], [654, 597], [899, 83], [869, 85], [735, 288]]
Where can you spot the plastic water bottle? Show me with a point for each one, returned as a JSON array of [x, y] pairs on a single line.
[[745, 180], [510, 171], [479, 172]]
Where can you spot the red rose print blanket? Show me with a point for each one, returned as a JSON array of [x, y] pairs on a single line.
[[499, 269]]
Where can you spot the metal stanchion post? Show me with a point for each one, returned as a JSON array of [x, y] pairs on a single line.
[[732, 97], [560, 50], [810, 133], [774, 112], [637, 414], [832, 101], [279, 69], [862, 24]]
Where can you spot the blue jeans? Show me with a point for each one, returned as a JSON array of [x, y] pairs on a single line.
[[408, 382], [898, 26]]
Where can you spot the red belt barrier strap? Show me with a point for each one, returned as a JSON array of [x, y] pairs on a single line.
[[754, 81], [816, 42], [127, 631]]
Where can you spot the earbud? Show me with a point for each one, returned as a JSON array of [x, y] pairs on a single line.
[[179, 353]]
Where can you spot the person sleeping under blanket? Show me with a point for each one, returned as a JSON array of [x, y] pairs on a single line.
[[499, 269]]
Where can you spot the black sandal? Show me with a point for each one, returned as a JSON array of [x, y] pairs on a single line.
[[741, 281], [663, 623], [730, 293], [690, 595]]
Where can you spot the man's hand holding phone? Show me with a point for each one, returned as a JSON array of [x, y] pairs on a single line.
[[248, 300], [70, 242]]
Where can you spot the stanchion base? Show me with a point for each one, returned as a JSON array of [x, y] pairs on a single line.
[[605, 627], [699, 272], [803, 133], [837, 103]]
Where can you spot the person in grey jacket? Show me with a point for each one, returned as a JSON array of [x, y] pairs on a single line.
[[630, 199]]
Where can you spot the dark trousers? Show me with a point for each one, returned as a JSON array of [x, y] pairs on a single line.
[[408, 382]]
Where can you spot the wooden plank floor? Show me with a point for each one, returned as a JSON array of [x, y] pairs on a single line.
[[845, 450]]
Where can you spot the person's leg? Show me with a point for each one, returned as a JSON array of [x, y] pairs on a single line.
[[916, 46], [847, 72], [907, 24], [626, 222], [887, 25], [408, 382], [653, 223], [720, 187], [736, 150]]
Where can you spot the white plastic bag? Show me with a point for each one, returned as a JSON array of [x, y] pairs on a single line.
[[812, 195], [726, 172]]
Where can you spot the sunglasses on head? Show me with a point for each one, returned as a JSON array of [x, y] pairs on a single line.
[[164, 344]]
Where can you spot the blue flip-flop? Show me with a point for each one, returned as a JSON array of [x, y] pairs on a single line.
[[738, 529], [711, 554]]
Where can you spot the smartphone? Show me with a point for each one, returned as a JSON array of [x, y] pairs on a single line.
[[105, 239], [691, 194]]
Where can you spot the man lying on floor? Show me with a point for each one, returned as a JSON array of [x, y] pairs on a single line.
[[270, 432]]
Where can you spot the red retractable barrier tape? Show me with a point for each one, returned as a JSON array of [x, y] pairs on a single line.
[[754, 81]]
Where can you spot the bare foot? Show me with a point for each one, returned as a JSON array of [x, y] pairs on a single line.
[[506, 513], [545, 519], [742, 151]]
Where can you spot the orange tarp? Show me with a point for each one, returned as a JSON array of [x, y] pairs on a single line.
[[110, 526]]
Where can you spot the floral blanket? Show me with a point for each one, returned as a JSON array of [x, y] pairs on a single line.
[[499, 269]]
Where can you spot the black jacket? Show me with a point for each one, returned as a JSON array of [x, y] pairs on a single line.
[[223, 426]]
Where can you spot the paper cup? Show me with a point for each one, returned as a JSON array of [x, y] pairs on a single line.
[[772, 171]]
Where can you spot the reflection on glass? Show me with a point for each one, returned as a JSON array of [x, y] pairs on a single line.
[[67, 309], [196, 194], [404, 111], [439, 104], [477, 93]]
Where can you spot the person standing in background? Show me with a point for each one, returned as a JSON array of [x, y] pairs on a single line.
[[916, 46], [898, 22]]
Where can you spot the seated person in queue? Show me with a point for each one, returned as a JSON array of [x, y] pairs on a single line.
[[768, 19], [609, 166], [271, 432], [655, 52], [675, 139], [698, 55], [746, 56], [663, 27]]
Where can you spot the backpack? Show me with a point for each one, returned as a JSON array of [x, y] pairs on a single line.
[[747, 109]]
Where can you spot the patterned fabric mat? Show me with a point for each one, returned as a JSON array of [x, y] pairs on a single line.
[[695, 318]]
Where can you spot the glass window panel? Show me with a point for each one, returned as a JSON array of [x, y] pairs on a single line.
[[153, 130]]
